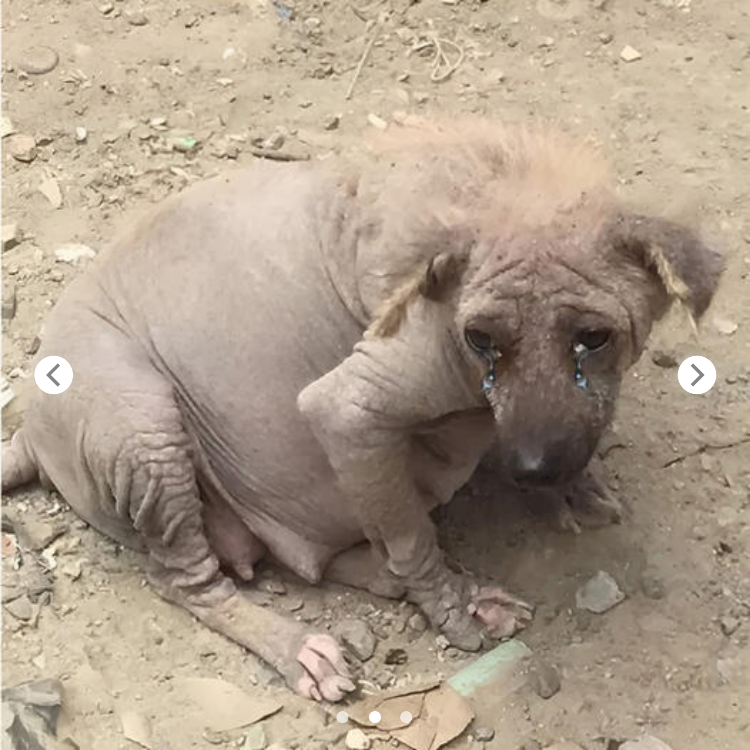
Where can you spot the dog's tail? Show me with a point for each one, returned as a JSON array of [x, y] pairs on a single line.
[[19, 466]]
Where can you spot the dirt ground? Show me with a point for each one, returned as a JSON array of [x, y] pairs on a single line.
[[147, 98]]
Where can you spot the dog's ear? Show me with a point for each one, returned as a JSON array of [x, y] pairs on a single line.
[[686, 269]]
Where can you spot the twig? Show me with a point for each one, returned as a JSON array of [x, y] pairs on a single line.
[[265, 153], [708, 447], [362, 61]]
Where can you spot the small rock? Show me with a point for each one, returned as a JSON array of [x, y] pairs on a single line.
[[34, 533], [356, 634], [6, 127], [729, 625], [665, 359], [33, 346], [38, 60], [606, 37], [9, 301], [332, 122], [396, 656], [725, 327], [630, 54], [274, 141], [484, 734], [599, 594], [215, 738], [293, 604], [652, 585], [417, 622], [546, 42], [273, 586], [50, 189], [543, 678], [137, 18], [72, 252], [72, 569], [22, 147], [81, 134], [21, 608], [106, 8], [255, 738], [356, 739], [377, 122], [649, 742], [442, 643]]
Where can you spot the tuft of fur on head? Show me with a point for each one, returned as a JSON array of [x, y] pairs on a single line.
[[439, 187], [677, 290]]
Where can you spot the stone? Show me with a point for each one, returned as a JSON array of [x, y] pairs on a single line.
[[38, 60], [22, 147], [137, 18], [665, 359], [358, 637], [72, 252], [484, 734], [6, 127], [377, 122], [50, 189], [332, 122], [356, 739], [81, 134], [9, 301], [543, 678], [729, 625], [255, 738], [11, 236], [273, 586], [652, 585], [34, 533], [599, 594], [417, 622], [630, 54], [21, 608], [725, 327], [647, 742]]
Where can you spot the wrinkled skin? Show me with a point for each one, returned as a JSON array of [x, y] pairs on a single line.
[[277, 363]]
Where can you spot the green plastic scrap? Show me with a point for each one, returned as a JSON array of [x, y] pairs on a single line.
[[491, 667]]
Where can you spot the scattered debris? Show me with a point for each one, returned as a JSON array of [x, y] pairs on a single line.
[[30, 712], [599, 594], [648, 742], [356, 739], [223, 706], [652, 585], [630, 54], [50, 189], [38, 60], [725, 327], [484, 734], [358, 637], [377, 122], [72, 252], [9, 301], [22, 147], [663, 358], [136, 728], [543, 678], [255, 739]]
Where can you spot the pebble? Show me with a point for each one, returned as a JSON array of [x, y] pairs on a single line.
[[21, 608], [356, 739], [652, 585], [72, 252], [729, 625], [484, 734], [273, 586], [50, 189], [599, 594], [81, 134], [255, 738], [544, 679], [377, 122], [106, 8], [9, 301], [396, 656], [274, 141], [6, 127], [662, 358], [606, 37], [332, 122], [725, 327], [22, 147], [648, 742], [357, 635], [417, 622], [137, 18], [630, 54], [38, 60]]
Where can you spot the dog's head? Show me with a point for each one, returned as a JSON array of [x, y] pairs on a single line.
[[552, 317]]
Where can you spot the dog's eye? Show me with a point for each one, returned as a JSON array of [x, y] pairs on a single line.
[[593, 340], [478, 340]]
